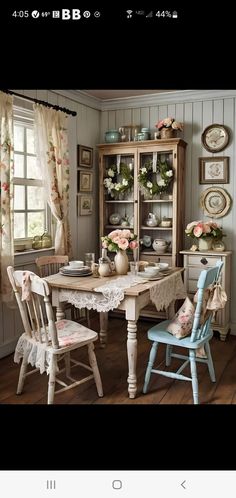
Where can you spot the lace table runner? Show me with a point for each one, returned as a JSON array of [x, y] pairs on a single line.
[[110, 295], [167, 290]]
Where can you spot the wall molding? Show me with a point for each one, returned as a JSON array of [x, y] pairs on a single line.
[[164, 98]]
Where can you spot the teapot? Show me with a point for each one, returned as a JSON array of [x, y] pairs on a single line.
[[152, 220], [160, 245]]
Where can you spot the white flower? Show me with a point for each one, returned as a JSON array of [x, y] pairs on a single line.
[[161, 183], [111, 172], [143, 170], [149, 184], [117, 186], [169, 173], [107, 182], [124, 182]]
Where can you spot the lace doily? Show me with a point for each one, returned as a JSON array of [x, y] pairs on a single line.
[[35, 352], [112, 294], [167, 290]]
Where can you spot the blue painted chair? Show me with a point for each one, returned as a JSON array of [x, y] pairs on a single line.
[[200, 336]]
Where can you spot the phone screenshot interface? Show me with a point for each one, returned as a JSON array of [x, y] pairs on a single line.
[[117, 281]]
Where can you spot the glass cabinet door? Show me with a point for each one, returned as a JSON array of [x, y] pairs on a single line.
[[119, 199], [156, 177]]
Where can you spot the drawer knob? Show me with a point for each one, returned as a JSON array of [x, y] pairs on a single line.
[[203, 261]]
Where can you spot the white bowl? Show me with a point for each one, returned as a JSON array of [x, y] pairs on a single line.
[[151, 271], [163, 266], [76, 264]]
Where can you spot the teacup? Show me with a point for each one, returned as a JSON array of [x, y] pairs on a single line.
[[76, 264], [152, 271]]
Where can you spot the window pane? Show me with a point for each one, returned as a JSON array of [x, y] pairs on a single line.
[[18, 165], [30, 140], [35, 197], [36, 224], [18, 138], [19, 197], [33, 170], [19, 225]]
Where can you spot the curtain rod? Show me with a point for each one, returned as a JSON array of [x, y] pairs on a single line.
[[42, 102]]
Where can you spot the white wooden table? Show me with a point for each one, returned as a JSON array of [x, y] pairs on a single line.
[[135, 299]]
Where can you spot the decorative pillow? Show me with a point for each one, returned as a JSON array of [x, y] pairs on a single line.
[[181, 325]]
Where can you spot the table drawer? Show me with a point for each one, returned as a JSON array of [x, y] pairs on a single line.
[[197, 261]]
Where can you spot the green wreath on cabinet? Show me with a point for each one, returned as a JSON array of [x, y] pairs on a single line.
[[150, 186], [112, 181]]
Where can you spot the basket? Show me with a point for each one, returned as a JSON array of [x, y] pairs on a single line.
[[168, 133]]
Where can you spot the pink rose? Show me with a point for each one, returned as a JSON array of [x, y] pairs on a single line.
[[126, 234], [133, 244], [123, 244], [115, 233], [198, 230]]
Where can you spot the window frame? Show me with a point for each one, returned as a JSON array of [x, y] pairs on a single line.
[[25, 118]]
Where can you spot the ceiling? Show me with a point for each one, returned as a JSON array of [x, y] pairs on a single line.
[[116, 94]]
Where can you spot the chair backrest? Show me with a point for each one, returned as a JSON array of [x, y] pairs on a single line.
[[206, 278], [49, 265], [36, 312]]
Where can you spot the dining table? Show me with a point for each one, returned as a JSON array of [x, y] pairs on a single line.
[[130, 293]]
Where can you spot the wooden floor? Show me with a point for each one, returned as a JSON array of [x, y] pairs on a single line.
[[112, 363]]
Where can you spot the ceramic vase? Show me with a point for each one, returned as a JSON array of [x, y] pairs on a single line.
[[205, 244], [121, 263]]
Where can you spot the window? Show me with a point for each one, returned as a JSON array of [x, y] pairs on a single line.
[[30, 207]]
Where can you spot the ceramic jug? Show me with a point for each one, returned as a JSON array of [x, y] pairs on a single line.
[[151, 220], [160, 245]]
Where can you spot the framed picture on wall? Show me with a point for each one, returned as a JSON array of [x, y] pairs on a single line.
[[214, 169], [85, 156], [85, 181], [85, 204]]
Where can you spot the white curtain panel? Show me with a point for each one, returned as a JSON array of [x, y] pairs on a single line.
[[6, 194]]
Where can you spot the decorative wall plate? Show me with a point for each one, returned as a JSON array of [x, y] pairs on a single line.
[[215, 137], [215, 202]]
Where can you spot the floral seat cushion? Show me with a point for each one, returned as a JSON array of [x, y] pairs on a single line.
[[71, 332]]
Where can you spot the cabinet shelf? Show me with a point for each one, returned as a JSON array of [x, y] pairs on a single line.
[[157, 200], [119, 202], [119, 226], [156, 228]]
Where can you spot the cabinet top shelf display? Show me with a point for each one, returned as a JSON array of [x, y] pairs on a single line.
[[137, 181]]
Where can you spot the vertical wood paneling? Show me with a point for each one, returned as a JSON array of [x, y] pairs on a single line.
[[112, 120], [188, 132], [72, 142], [153, 120], [145, 117], [104, 123], [136, 116], [196, 153], [127, 117], [232, 177], [218, 111], [171, 111], [162, 111], [119, 118], [227, 221]]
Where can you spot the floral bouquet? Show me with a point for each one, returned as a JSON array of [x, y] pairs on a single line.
[[169, 123], [203, 229], [119, 240]]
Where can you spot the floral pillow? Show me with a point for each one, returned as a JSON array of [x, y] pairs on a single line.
[[181, 325]]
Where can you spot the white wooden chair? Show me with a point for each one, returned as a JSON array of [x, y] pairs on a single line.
[[45, 342], [49, 265]]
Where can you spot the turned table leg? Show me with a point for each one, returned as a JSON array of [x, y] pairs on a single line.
[[103, 328], [60, 312], [132, 357]]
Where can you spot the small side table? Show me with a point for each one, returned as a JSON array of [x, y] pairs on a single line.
[[194, 263]]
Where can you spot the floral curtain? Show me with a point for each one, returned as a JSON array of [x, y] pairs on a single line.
[[6, 194], [53, 155]]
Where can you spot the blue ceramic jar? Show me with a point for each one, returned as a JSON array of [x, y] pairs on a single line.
[[112, 136]]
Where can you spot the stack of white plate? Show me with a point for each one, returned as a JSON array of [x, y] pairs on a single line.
[[84, 271]]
